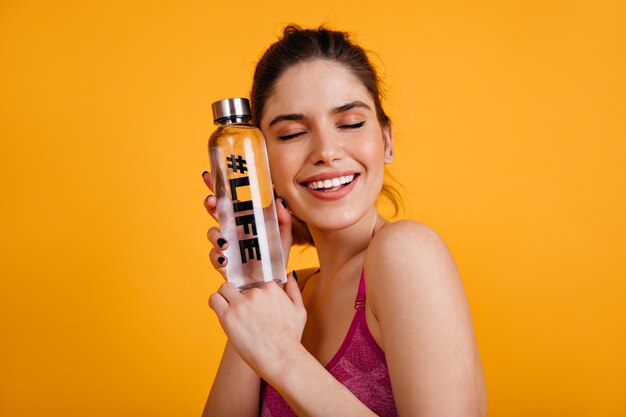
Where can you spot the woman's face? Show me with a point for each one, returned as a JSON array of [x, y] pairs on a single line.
[[326, 147]]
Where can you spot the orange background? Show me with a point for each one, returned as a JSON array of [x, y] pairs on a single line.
[[510, 122]]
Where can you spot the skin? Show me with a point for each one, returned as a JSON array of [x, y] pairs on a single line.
[[324, 119]]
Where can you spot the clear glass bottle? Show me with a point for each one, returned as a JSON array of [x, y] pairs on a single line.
[[245, 198]]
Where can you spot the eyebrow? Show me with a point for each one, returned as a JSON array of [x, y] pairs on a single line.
[[299, 116], [291, 116], [349, 106]]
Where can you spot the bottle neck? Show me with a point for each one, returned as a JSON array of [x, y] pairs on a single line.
[[233, 120]]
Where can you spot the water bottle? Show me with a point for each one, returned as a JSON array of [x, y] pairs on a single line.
[[245, 198]]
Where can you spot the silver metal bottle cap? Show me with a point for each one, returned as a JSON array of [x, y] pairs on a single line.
[[231, 107]]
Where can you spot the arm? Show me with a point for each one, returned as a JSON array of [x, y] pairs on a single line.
[[415, 292], [236, 388], [311, 391], [265, 327], [235, 376]]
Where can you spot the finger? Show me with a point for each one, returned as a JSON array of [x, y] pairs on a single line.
[[283, 215], [217, 239], [293, 290], [229, 292], [284, 226], [208, 180], [218, 304], [210, 204], [219, 261]]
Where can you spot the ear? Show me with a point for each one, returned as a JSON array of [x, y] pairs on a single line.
[[388, 139]]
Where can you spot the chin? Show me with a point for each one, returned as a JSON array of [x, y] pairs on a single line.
[[332, 222]]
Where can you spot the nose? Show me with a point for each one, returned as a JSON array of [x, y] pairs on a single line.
[[326, 147]]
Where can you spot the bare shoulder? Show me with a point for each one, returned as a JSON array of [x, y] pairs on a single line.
[[409, 258], [402, 232], [405, 243], [415, 293]]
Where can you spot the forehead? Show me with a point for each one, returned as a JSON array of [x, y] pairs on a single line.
[[314, 87]]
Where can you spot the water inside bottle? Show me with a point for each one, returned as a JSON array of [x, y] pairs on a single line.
[[246, 210]]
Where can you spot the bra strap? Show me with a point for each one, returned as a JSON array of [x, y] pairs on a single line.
[[360, 296]]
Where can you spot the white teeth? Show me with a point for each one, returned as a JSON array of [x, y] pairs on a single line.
[[330, 183]]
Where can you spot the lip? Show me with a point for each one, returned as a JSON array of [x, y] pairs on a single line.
[[331, 195], [328, 175]]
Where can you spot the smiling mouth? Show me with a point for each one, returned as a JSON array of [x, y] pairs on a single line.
[[331, 184]]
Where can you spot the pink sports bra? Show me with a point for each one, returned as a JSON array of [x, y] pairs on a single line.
[[359, 364]]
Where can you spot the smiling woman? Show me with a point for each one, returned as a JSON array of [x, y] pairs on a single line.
[[382, 327], [336, 134]]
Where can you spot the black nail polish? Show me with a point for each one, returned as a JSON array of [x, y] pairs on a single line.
[[295, 276], [221, 242], [282, 201], [204, 173], [221, 260]]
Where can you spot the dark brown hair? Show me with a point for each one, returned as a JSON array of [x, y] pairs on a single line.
[[300, 45]]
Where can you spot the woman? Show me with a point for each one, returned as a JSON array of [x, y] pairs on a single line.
[[382, 327]]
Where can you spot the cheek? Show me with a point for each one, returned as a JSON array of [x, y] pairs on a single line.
[[372, 153]]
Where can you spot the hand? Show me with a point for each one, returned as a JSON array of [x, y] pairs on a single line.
[[218, 258], [261, 323]]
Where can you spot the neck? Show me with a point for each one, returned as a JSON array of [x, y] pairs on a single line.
[[335, 248]]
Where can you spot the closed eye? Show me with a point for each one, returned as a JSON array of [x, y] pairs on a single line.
[[353, 126], [291, 136]]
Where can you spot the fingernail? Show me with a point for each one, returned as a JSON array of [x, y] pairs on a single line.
[[221, 260], [221, 242], [282, 201], [204, 173], [295, 276]]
